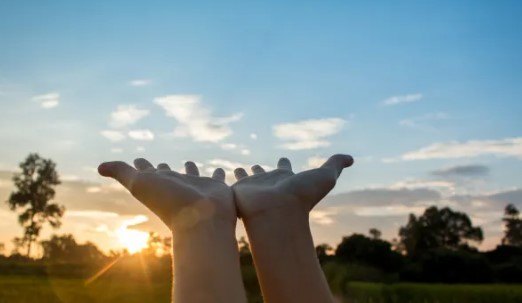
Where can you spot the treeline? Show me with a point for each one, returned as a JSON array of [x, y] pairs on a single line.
[[436, 247]]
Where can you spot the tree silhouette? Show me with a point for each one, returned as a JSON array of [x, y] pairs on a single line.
[[375, 233], [513, 231], [65, 248], [378, 253], [436, 228], [157, 246], [34, 189]]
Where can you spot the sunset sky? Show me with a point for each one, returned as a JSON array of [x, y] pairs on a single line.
[[427, 97]]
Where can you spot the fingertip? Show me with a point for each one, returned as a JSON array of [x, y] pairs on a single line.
[[240, 173], [103, 169], [348, 160], [219, 174]]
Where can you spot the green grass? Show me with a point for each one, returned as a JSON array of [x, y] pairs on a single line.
[[46, 290], [42, 289], [432, 293]]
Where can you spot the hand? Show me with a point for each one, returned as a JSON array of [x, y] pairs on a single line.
[[179, 200], [283, 191], [274, 207]]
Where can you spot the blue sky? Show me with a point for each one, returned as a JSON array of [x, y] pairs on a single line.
[[414, 90]]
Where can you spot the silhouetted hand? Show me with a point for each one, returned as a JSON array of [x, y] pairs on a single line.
[[179, 200], [281, 190]]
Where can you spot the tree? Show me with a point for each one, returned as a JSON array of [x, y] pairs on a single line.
[[378, 253], [157, 246], [65, 248], [436, 228], [34, 189], [513, 230], [324, 252], [375, 233]]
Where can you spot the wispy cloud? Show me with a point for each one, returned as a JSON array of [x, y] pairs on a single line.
[[307, 134], [322, 217], [314, 162], [48, 101], [503, 147], [237, 147], [126, 115], [139, 82], [471, 170], [141, 134], [396, 100], [113, 135], [195, 120], [423, 122]]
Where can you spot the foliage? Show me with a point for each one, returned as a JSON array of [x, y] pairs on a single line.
[[513, 230], [157, 245], [375, 233], [448, 266], [65, 249], [34, 189], [373, 252], [436, 228]]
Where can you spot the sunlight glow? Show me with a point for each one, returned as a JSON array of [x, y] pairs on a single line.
[[133, 240]]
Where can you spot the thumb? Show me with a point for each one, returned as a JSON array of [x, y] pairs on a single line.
[[338, 162], [118, 170]]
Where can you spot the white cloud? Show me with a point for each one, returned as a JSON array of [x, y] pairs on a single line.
[[322, 217], [245, 152], [140, 149], [395, 100], [93, 189], [91, 213], [424, 120], [307, 134], [113, 135], [195, 120], [48, 101], [228, 146], [314, 162], [388, 210], [253, 136], [412, 184], [127, 115], [116, 150], [139, 82], [141, 134], [63, 178], [503, 147]]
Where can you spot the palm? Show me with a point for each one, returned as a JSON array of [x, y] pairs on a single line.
[[282, 189], [179, 200]]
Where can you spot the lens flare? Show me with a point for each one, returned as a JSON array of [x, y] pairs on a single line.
[[131, 239]]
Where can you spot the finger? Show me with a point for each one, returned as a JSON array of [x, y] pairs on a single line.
[[120, 171], [257, 169], [219, 174], [191, 168], [142, 164], [164, 167], [240, 173], [338, 163], [285, 164]]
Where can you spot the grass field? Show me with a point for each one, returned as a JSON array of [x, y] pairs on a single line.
[[26, 289], [432, 293]]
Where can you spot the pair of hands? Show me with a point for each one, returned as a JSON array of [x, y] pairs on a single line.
[[187, 200]]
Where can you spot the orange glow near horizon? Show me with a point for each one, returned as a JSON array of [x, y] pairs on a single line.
[[131, 239]]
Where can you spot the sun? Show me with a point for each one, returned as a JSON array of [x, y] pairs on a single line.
[[131, 239]]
